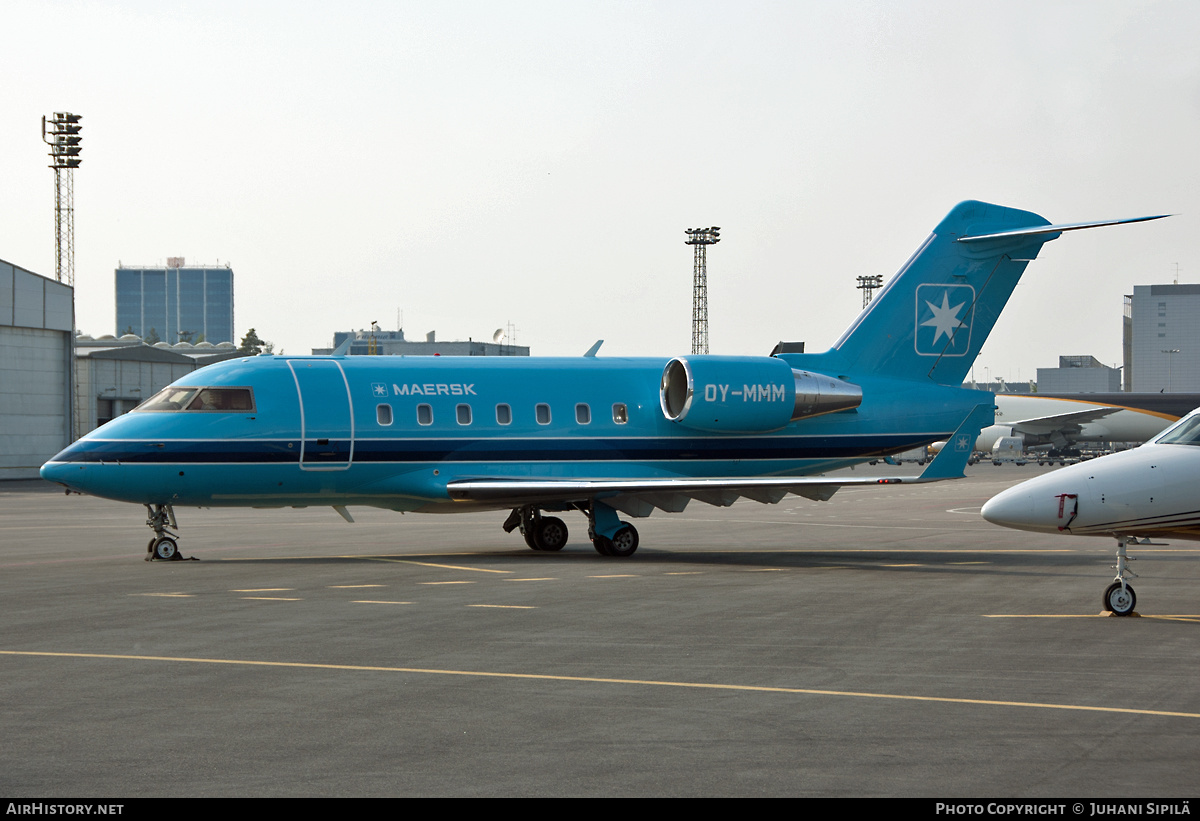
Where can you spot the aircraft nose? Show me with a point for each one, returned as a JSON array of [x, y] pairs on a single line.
[[1025, 508], [61, 473]]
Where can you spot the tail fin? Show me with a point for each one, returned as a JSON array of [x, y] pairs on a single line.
[[932, 318]]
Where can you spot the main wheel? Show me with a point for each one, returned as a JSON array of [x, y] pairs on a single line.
[[624, 542], [1119, 601], [527, 534], [550, 534], [602, 545], [165, 549]]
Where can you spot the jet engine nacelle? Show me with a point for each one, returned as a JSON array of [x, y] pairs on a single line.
[[748, 394]]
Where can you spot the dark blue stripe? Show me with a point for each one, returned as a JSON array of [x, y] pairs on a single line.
[[496, 450]]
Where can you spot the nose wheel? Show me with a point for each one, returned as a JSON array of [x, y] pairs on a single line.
[[1119, 598], [164, 547]]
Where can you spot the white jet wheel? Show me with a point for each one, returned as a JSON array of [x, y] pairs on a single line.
[[1118, 600]]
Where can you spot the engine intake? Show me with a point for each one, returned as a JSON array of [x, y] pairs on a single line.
[[748, 394]]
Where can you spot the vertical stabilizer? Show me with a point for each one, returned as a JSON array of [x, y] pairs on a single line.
[[931, 319]]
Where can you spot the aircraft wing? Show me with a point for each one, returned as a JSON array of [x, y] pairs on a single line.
[[1063, 421], [639, 497]]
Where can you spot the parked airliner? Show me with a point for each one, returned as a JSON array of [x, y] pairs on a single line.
[[1059, 422], [1136, 494], [593, 434]]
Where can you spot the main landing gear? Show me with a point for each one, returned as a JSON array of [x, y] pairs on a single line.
[[610, 536], [1119, 598], [163, 547], [547, 533]]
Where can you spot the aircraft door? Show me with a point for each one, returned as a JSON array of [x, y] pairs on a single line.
[[326, 416]]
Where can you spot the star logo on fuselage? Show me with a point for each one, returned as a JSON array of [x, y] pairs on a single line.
[[379, 389]]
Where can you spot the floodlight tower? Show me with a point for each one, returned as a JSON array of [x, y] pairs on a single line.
[[701, 238], [868, 285], [64, 141]]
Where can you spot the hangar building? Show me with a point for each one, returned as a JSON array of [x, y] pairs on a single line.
[[37, 316]]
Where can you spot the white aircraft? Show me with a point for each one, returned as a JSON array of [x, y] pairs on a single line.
[[1137, 494], [1058, 422]]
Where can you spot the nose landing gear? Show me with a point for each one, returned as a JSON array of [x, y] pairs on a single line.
[[1119, 598], [164, 547]]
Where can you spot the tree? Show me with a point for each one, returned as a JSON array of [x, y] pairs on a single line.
[[152, 337], [251, 344]]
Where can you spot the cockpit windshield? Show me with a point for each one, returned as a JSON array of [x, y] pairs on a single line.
[[226, 400], [1184, 432]]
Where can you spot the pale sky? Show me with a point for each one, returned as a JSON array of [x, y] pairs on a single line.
[[479, 163]]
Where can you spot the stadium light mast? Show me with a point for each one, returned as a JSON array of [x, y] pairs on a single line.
[[869, 285], [65, 146], [700, 239]]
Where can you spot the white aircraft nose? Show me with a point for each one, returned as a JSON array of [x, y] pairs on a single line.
[[1008, 509], [1027, 508]]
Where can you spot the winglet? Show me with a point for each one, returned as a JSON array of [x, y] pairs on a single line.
[[951, 461], [592, 350]]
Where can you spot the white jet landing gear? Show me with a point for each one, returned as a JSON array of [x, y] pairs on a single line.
[[610, 536], [1119, 598], [163, 547], [545, 533]]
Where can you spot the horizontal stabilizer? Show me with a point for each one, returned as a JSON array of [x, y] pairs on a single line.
[[1056, 229], [951, 461]]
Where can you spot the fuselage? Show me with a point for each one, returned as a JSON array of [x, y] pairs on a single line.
[[392, 432], [1147, 491], [1043, 420]]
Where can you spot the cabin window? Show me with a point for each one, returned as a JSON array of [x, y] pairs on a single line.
[[620, 413], [383, 414], [463, 412], [424, 415], [583, 414], [543, 413], [503, 414]]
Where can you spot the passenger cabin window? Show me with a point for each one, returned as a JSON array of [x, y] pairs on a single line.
[[620, 413], [543, 413], [503, 414], [383, 414], [463, 412], [220, 400], [424, 415], [583, 414]]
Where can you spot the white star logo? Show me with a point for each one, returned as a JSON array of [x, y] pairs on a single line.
[[945, 319], [379, 389], [962, 443]]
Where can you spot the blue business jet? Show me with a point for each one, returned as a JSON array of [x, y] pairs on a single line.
[[602, 436]]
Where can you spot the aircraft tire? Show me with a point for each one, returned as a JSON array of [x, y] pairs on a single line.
[[551, 534], [165, 549], [1119, 602], [624, 542], [527, 534], [601, 544]]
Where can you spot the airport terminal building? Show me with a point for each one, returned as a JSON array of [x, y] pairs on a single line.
[[37, 316]]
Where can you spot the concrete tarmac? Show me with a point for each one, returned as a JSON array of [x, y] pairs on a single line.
[[888, 642]]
